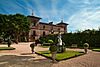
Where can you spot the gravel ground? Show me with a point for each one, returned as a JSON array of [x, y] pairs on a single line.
[[22, 57]]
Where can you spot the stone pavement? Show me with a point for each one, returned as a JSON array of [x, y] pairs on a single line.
[[22, 57]]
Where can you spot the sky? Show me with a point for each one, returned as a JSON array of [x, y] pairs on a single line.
[[79, 14]]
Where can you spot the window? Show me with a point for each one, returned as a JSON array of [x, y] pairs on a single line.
[[43, 33], [43, 26], [34, 23], [58, 29], [34, 33]]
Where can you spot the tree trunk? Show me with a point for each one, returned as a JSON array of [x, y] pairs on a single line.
[[8, 45], [16, 38]]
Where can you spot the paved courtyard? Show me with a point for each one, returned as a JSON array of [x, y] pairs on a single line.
[[22, 57]]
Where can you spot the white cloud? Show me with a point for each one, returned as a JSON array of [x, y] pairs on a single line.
[[87, 18], [79, 1]]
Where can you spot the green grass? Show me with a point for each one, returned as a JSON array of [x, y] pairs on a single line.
[[6, 48], [98, 49], [45, 46], [61, 56]]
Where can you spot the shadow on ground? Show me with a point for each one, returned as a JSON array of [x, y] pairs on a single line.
[[23, 61], [26, 53]]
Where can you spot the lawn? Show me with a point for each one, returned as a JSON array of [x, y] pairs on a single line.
[[45, 46], [61, 56], [6, 48], [98, 49]]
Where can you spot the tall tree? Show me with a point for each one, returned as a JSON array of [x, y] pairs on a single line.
[[12, 26], [19, 25]]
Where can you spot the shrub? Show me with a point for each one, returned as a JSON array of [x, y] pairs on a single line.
[[63, 43], [1, 40], [32, 45], [38, 41], [63, 47], [46, 44], [25, 39], [78, 38], [53, 48], [86, 45], [50, 41]]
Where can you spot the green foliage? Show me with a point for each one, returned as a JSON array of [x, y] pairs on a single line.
[[32, 45], [53, 48], [86, 45], [25, 39], [63, 47], [38, 41], [50, 41], [6, 48], [88, 36], [61, 56], [1, 40], [9, 42], [14, 26], [96, 49], [63, 43], [46, 44]]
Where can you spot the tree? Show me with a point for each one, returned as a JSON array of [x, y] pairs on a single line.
[[19, 25], [13, 26]]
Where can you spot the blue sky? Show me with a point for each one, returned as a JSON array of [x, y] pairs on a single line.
[[79, 14]]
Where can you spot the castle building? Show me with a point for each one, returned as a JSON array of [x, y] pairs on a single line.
[[41, 28]]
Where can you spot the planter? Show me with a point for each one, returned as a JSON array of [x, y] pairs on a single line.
[[86, 45], [54, 56], [32, 49], [86, 49]]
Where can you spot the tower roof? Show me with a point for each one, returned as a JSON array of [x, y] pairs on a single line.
[[62, 23], [32, 16]]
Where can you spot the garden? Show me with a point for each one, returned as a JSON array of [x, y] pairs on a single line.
[[6, 48], [58, 52], [12, 30], [61, 56], [92, 37]]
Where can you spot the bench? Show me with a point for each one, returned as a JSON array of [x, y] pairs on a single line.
[[74, 45]]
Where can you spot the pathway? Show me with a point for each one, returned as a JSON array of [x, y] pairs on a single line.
[[22, 57]]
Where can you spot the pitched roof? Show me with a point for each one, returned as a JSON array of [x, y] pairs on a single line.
[[49, 24], [62, 23], [43, 23], [34, 17]]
